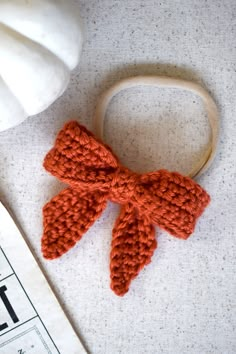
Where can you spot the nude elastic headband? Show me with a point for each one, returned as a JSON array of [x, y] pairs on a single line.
[[161, 81]]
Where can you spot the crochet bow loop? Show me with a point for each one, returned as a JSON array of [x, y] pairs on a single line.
[[80, 160], [172, 201]]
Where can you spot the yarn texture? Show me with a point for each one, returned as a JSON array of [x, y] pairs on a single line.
[[94, 174]]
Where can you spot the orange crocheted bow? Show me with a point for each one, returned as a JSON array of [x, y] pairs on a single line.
[[94, 175]]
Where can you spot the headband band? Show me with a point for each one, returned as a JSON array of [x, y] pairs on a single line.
[[161, 81]]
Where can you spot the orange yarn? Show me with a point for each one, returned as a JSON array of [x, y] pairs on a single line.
[[94, 175]]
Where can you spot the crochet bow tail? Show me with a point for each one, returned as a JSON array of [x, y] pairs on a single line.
[[67, 217], [133, 244]]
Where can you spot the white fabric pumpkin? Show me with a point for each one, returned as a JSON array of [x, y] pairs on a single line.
[[40, 42]]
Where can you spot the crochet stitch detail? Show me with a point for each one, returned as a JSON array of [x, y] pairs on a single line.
[[94, 175]]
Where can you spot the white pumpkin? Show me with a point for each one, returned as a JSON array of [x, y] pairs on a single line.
[[40, 43]]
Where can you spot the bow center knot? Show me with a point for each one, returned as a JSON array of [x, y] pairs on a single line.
[[123, 185]]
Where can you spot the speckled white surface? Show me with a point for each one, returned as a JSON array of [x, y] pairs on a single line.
[[185, 300]]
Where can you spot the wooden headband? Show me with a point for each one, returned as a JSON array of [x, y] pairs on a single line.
[[161, 81]]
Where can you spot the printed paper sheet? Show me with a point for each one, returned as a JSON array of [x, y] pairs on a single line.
[[31, 319]]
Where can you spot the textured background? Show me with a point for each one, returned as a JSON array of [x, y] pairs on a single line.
[[184, 301]]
